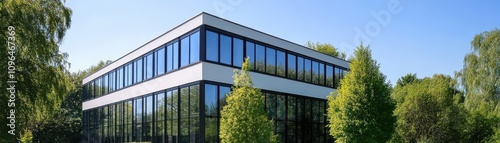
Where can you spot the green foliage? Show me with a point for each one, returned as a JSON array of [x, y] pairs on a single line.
[[41, 71], [26, 136], [426, 110], [361, 111], [243, 119], [327, 49], [407, 79], [480, 78]]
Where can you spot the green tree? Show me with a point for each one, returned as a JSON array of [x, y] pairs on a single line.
[[39, 27], [426, 110], [326, 48], [480, 79], [361, 109], [243, 118], [407, 79]]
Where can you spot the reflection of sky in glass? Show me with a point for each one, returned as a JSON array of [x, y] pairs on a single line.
[[225, 49], [210, 99], [223, 91], [160, 61], [195, 47], [238, 52], [212, 46], [149, 104]]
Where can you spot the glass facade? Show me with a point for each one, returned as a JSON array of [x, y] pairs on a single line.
[[191, 112], [164, 59], [174, 115]]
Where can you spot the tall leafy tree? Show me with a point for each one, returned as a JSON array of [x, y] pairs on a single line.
[[480, 78], [327, 48], [39, 27], [243, 118], [426, 110], [361, 110]]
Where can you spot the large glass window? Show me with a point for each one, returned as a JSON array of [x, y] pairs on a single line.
[[337, 77], [138, 120], [280, 63], [159, 117], [225, 49], [321, 74], [315, 72], [128, 74], [106, 84], [184, 106], [170, 57], [119, 78], [223, 92], [184, 51], [250, 54], [212, 50], [194, 113], [148, 123], [329, 76], [292, 66], [211, 100], [160, 61], [175, 60], [307, 70], [260, 54], [194, 47], [270, 60], [300, 68], [112, 82], [237, 52], [138, 70], [148, 66]]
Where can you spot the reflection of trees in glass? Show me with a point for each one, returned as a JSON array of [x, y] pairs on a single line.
[[160, 113]]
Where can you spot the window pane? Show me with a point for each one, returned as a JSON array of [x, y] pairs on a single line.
[[260, 56], [225, 49], [291, 108], [270, 61], [223, 92], [184, 108], [148, 69], [211, 133], [194, 47], [194, 113], [337, 77], [307, 70], [119, 78], [250, 54], [237, 52], [160, 61], [138, 119], [280, 105], [329, 76], [212, 46], [175, 110], [175, 63], [112, 82], [138, 70], [300, 68], [292, 69], [210, 100], [128, 74], [315, 72], [160, 117], [106, 85], [271, 105], [280, 63], [184, 51], [148, 123], [170, 59], [321, 74]]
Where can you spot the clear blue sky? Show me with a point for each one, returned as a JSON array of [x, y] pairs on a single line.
[[421, 36]]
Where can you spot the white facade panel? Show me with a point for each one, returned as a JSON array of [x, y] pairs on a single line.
[[224, 74], [183, 76]]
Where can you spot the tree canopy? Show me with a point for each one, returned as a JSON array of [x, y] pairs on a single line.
[[328, 49], [361, 110], [38, 29], [426, 110], [243, 118]]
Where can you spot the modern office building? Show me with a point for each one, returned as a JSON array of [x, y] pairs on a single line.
[[172, 88]]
